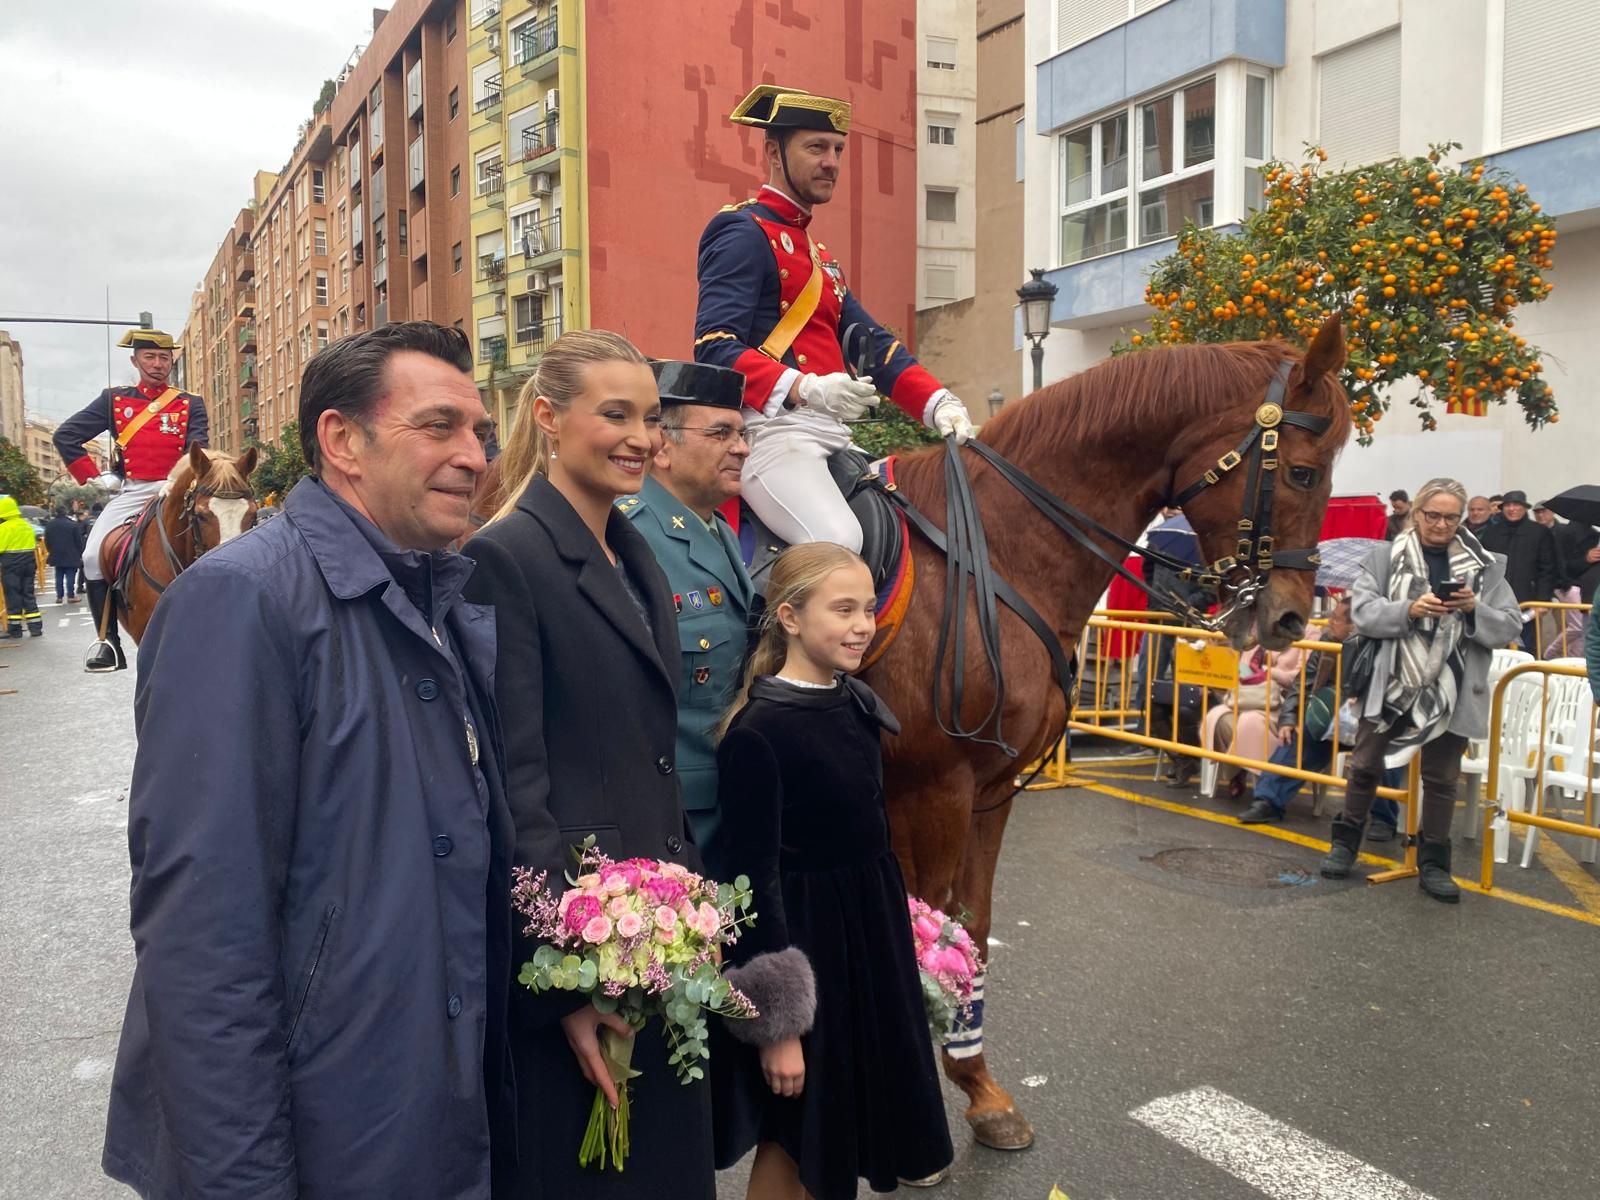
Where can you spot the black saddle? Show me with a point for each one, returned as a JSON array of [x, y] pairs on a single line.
[[882, 535]]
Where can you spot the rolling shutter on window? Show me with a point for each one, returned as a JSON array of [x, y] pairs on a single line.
[[1552, 68], [1359, 101], [1079, 20]]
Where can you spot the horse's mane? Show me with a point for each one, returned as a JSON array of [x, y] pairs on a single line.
[[224, 475], [1141, 390]]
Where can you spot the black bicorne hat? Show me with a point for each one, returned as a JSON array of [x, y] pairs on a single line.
[[698, 383], [773, 106]]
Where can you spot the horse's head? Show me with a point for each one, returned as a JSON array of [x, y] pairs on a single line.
[[1255, 484], [214, 489]]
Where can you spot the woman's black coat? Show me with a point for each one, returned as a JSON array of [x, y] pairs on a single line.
[[587, 697]]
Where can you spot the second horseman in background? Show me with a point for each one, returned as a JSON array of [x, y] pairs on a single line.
[[774, 305]]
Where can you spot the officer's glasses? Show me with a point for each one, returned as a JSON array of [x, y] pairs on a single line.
[[722, 434]]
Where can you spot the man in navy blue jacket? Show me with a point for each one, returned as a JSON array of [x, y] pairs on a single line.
[[318, 828]]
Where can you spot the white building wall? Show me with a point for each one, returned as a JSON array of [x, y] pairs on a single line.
[[947, 247], [1450, 60]]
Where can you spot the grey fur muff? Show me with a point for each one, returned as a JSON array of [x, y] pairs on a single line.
[[782, 987]]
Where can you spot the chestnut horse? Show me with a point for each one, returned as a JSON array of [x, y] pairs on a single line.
[[1117, 442], [205, 501]]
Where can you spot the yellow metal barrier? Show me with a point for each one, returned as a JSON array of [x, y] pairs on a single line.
[[1105, 713], [1567, 642], [1547, 763]]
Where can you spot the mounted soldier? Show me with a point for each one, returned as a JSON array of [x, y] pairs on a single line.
[[152, 425], [774, 305]]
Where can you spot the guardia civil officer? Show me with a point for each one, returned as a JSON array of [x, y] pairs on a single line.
[[696, 470], [774, 305], [152, 425]]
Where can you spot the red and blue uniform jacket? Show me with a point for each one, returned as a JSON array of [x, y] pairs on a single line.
[[755, 259], [152, 451]]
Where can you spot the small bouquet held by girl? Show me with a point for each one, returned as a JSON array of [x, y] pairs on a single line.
[[949, 965], [642, 939]]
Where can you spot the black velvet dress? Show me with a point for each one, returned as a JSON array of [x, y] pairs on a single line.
[[800, 786]]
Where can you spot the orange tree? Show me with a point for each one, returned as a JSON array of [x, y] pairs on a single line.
[[1426, 264]]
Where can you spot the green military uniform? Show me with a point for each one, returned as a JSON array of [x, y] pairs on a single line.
[[713, 597]]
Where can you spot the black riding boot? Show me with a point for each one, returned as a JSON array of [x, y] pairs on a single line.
[[1433, 872], [1341, 856], [106, 654]]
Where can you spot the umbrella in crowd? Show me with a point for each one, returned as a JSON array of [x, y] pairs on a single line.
[[1175, 536], [1580, 504], [34, 513], [1342, 559]]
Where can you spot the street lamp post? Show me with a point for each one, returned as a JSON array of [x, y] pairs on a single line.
[[1036, 296]]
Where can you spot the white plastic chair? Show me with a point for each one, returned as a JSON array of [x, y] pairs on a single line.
[[1519, 753], [1475, 759], [1571, 762]]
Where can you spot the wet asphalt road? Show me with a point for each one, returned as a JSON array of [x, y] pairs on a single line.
[[1452, 1048]]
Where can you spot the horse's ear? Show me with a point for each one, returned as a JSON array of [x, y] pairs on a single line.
[[1326, 354], [198, 462], [246, 462]]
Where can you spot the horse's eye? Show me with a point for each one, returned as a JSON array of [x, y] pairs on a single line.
[[1304, 477]]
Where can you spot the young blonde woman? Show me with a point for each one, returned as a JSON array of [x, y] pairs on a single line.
[[586, 667], [839, 1082]]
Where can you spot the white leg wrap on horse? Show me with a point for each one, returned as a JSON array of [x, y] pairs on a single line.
[[967, 1039], [129, 502]]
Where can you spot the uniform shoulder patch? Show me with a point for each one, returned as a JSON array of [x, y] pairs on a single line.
[[739, 207], [630, 506]]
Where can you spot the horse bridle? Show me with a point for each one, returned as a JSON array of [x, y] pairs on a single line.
[[966, 554], [190, 521]]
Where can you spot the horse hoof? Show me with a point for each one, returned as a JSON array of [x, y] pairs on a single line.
[[1006, 1129]]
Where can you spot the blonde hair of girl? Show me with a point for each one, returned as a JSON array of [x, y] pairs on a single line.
[[559, 379], [795, 575]]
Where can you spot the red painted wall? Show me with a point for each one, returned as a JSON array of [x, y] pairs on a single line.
[[661, 79]]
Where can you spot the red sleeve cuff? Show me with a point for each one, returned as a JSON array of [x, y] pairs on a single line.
[[913, 389], [760, 377], [82, 469]]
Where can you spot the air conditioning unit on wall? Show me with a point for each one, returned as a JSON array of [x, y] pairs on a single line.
[[494, 41], [539, 282], [542, 183], [552, 101]]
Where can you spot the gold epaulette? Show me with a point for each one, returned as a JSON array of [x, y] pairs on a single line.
[[736, 207]]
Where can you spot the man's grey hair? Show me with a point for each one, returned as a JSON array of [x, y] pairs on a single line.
[[1436, 487], [672, 424]]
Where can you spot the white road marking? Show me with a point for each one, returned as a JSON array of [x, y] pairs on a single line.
[[1276, 1159], [63, 622], [91, 1068], [1035, 1080]]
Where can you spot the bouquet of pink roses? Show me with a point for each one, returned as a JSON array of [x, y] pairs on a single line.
[[639, 938], [948, 963]]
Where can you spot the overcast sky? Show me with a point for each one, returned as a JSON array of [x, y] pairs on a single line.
[[129, 136]]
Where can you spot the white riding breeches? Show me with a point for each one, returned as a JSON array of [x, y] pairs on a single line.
[[129, 502], [787, 483]]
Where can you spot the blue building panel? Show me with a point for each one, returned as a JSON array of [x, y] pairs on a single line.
[[1162, 46], [1562, 173], [1088, 292]]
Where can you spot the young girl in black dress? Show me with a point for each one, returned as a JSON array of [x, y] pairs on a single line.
[[839, 1083]]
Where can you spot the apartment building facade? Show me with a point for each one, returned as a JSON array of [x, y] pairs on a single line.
[[1145, 112], [215, 366], [11, 395]]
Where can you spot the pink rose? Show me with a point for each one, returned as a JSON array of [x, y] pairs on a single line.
[[663, 890], [927, 929], [666, 919], [580, 912], [619, 905], [591, 880], [597, 930], [930, 960], [629, 924], [667, 936], [709, 922], [955, 963]]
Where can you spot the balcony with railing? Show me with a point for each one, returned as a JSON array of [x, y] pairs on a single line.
[[492, 183], [492, 266], [247, 336], [541, 238], [247, 371], [247, 301], [535, 47], [539, 141], [492, 92], [538, 335], [492, 350], [245, 269]]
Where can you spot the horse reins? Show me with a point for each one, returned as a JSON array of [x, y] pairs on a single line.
[[190, 521], [966, 556]]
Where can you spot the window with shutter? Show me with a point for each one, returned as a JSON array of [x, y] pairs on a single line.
[[1358, 99], [1551, 81], [1079, 20]]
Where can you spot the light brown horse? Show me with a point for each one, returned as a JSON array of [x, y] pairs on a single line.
[[205, 501], [1116, 442]]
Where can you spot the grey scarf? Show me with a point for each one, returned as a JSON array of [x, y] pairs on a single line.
[[1429, 661]]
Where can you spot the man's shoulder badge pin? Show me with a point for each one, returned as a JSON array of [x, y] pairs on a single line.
[[696, 600], [715, 596], [786, 242], [677, 522]]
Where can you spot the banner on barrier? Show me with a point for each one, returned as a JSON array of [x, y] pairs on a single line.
[[1210, 665]]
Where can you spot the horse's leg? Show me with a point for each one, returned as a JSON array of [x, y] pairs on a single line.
[[928, 820], [991, 1111]]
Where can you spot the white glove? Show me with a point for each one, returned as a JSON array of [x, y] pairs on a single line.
[[837, 395], [950, 416]]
